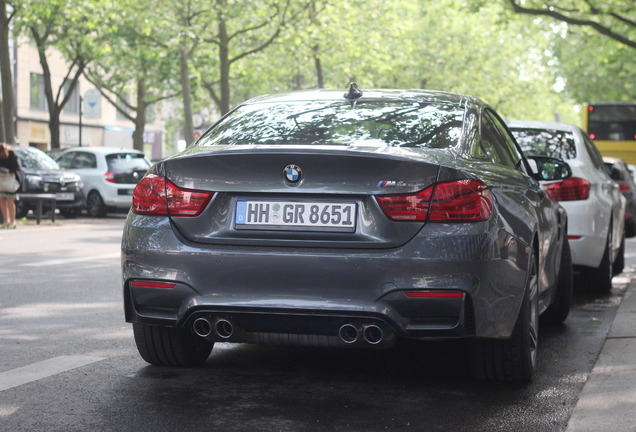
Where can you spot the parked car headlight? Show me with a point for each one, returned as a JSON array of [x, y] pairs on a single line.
[[34, 182]]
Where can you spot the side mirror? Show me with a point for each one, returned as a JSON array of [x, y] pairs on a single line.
[[546, 168], [615, 174]]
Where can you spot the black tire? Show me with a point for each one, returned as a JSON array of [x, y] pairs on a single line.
[[95, 205], [21, 210], [600, 278], [70, 213], [630, 228], [515, 359], [619, 262], [170, 346], [559, 310]]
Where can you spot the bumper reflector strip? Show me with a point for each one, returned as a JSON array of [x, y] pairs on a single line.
[[574, 237], [425, 294], [148, 284]]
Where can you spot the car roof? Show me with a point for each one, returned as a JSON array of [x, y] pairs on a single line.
[[533, 124], [103, 150], [377, 94], [612, 160]]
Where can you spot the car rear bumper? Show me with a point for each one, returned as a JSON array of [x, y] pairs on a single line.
[[437, 285], [587, 232], [118, 196]]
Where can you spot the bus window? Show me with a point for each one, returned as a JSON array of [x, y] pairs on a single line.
[[612, 127]]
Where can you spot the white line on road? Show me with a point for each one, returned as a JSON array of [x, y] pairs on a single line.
[[43, 369], [63, 261]]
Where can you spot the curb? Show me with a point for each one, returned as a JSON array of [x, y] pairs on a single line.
[[608, 400]]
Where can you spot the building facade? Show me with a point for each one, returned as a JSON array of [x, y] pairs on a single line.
[[101, 123]]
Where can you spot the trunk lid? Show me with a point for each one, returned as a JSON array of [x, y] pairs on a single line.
[[256, 202]]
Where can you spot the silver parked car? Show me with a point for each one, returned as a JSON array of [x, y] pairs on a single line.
[[595, 205], [109, 175], [323, 219], [619, 172]]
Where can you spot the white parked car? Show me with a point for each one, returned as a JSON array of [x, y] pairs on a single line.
[[109, 175], [593, 201]]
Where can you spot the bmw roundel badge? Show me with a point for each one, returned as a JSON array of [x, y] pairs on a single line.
[[292, 174]]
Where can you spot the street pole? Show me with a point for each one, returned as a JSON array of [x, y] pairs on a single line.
[[80, 120]]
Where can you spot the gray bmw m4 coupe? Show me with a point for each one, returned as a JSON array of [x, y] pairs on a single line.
[[349, 220]]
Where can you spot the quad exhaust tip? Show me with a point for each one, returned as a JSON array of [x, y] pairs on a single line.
[[348, 333], [202, 327], [222, 328], [373, 334]]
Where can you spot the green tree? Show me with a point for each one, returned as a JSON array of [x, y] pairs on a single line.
[[7, 132], [66, 26], [128, 64], [615, 19], [241, 29]]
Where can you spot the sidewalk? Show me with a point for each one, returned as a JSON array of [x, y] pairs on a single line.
[[608, 400]]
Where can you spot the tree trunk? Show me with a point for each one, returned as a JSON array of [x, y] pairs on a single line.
[[7, 80], [140, 119], [54, 128], [224, 59], [188, 128], [318, 66], [2, 139]]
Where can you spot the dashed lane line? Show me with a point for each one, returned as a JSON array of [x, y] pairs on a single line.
[[43, 369], [62, 261]]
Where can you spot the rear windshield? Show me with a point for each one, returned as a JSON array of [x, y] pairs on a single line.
[[545, 142], [366, 123], [35, 159], [126, 162]]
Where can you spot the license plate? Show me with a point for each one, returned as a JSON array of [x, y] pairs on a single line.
[[295, 216], [65, 197]]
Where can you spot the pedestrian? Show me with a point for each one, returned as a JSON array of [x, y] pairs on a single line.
[[10, 179]]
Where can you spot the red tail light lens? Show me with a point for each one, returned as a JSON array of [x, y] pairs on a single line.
[[461, 201], [411, 208], [624, 187], [457, 201], [109, 177], [149, 284], [154, 195], [571, 189]]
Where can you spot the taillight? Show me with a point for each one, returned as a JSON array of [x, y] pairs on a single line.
[[154, 195], [457, 201], [571, 189], [109, 177], [150, 284], [411, 208], [624, 187]]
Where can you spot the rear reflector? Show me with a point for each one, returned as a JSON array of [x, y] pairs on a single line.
[[436, 294], [156, 196], [571, 189], [574, 237], [456, 201], [148, 284]]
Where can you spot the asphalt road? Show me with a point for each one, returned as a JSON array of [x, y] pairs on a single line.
[[68, 361]]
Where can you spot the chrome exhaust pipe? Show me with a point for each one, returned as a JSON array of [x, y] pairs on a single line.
[[373, 334], [348, 333], [224, 328], [202, 327]]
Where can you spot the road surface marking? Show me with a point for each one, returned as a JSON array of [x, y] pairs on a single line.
[[62, 261], [43, 369]]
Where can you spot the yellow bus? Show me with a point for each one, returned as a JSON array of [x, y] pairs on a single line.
[[612, 127]]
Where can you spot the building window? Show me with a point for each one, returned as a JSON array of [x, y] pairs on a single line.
[[72, 106], [122, 102], [38, 100], [150, 114]]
